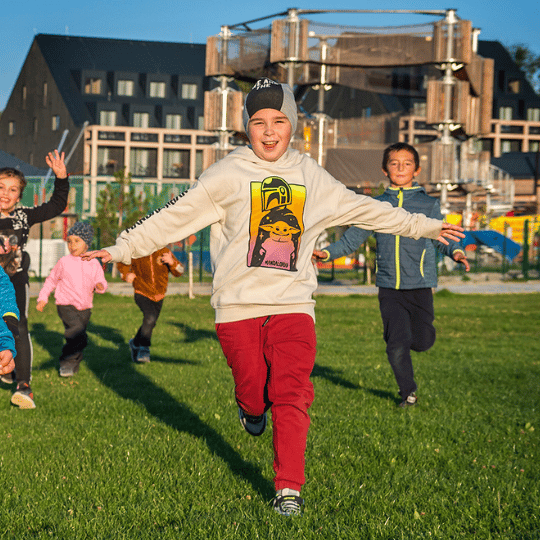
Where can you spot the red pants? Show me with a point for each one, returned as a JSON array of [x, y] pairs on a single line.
[[271, 360]]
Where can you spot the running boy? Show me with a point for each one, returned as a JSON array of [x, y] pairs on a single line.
[[150, 277], [406, 268], [267, 205], [75, 281], [15, 223]]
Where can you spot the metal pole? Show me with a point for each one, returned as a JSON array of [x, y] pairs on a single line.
[[446, 139], [292, 20]]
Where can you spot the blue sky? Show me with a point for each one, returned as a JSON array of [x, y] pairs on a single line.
[[516, 21]]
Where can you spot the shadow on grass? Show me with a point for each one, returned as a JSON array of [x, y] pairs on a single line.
[[116, 371], [192, 334], [332, 375]]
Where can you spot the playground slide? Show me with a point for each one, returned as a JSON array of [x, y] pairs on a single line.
[[495, 240]]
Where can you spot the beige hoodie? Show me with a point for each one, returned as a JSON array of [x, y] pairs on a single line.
[[265, 218]]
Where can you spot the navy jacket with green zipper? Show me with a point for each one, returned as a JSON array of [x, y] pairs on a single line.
[[402, 263]]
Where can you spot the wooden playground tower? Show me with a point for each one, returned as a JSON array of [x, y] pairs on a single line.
[[303, 52]]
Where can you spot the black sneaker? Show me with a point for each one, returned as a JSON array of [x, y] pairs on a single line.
[[134, 350], [410, 401], [8, 378], [288, 505], [254, 425], [67, 370], [23, 397], [143, 355]]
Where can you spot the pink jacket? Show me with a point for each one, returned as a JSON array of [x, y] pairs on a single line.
[[75, 281]]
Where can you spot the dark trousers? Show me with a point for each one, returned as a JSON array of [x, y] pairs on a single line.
[[150, 311], [408, 317], [23, 345], [75, 323]]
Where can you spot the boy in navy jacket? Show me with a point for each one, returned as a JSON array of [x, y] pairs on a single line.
[[406, 268]]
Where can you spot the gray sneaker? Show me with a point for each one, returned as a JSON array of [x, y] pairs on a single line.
[[254, 425]]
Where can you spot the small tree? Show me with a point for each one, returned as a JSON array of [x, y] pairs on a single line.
[[118, 207], [528, 62]]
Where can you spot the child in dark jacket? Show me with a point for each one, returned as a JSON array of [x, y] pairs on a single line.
[[150, 277], [15, 223], [406, 268]]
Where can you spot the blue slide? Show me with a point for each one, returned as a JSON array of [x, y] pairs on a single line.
[[495, 240]]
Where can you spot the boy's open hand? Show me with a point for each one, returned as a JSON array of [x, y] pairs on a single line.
[[450, 232], [56, 162], [103, 254], [7, 364], [460, 258]]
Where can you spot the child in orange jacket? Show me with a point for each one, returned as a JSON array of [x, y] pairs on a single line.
[[150, 277]]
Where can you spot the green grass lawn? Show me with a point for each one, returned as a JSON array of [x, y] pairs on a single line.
[[156, 451]]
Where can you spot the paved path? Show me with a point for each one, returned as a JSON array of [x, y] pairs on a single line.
[[478, 284]]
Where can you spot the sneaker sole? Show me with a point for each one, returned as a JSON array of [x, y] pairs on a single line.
[[22, 401]]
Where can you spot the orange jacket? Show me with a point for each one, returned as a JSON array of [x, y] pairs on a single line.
[[151, 275]]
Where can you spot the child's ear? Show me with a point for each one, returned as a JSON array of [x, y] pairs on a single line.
[[384, 172], [417, 172]]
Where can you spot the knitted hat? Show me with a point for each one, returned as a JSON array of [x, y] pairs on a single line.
[[84, 231], [268, 94]]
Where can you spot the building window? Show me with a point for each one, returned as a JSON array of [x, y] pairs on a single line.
[[175, 163], [124, 88], [35, 126], [109, 160], [55, 122], [141, 119], [200, 123], [173, 121], [107, 118], [24, 92], [157, 89], [11, 128], [533, 115], [199, 162], [45, 94], [514, 86], [510, 146], [143, 162], [92, 85], [419, 108], [534, 146], [189, 91], [505, 113]]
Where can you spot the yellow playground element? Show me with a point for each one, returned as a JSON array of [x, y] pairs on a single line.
[[513, 226]]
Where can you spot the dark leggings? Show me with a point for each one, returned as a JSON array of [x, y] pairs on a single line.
[[75, 323], [150, 311], [23, 344]]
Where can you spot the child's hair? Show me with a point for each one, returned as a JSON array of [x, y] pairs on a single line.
[[396, 147], [10, 172]]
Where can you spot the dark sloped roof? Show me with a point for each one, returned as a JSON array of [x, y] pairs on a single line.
[[7, 160], [517, 164], [66, 54]]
